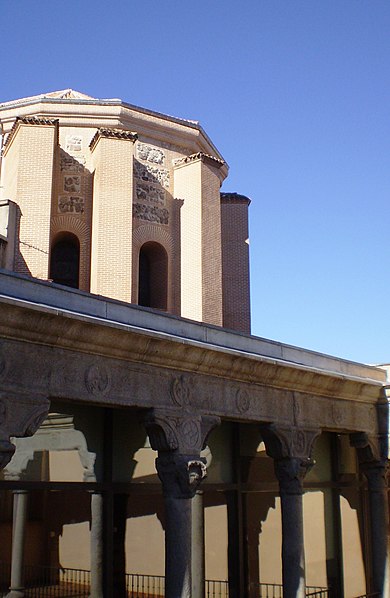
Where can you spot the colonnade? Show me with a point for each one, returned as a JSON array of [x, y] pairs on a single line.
[[179, 437]]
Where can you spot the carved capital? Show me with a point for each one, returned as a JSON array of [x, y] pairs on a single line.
[[291, 448], [178, 431], [368, 447], [291, 472], [372, 455], [20, 416], [180, 474], [289, 442]]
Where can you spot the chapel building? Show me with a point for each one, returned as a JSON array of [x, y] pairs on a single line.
[[149, 445]]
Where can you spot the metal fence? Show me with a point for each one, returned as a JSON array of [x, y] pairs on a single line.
[[275, 590], [58, 582], [145, 586]]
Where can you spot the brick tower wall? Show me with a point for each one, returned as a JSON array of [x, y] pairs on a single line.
[[235, 262], [30, 159], [111, 252]]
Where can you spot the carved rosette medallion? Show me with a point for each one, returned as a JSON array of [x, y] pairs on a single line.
[[243, 401], [298, 442], [181, 391], [189, 429], [97, 379]]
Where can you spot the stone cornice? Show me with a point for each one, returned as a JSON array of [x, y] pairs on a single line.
[[104, 335], [206, 158], [27, 120], [112, 134], [234, 198]]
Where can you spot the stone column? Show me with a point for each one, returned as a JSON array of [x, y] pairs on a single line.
[[18, 538], [374, 465], [179, 436], [291, 449], [96, 545], [198, 546]]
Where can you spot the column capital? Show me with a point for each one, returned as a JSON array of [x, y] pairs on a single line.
[[291, 448], [180, 475], [283, 442], [179, 437], [372, 456], [179, 431], [20, 416]]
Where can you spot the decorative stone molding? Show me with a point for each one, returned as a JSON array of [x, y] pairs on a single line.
[[206, 158], [19, 417], [112, 134]]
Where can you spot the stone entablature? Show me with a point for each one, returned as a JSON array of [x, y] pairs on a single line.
[[116, 354]]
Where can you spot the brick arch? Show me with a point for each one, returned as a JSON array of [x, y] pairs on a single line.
[[151, 232], [72, 224]]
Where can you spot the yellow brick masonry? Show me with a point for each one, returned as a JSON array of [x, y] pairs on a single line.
[[188, 187], [111, 252], [211, 246], [198, 186], [30, 183]]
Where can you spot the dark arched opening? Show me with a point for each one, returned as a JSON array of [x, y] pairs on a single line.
[[153, 276], [65, 260]]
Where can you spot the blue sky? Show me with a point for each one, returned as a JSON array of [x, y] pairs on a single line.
[[294, 93]]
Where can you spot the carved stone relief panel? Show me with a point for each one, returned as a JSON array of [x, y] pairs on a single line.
[[70, 204], [72, 183], [152, 174], [150, 153]]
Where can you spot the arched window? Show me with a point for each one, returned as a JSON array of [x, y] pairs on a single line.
[[153, 276], [65, 260]]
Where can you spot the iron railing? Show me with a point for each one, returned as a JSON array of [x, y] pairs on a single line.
[[145, 586], [275, 590], [59, 582]]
